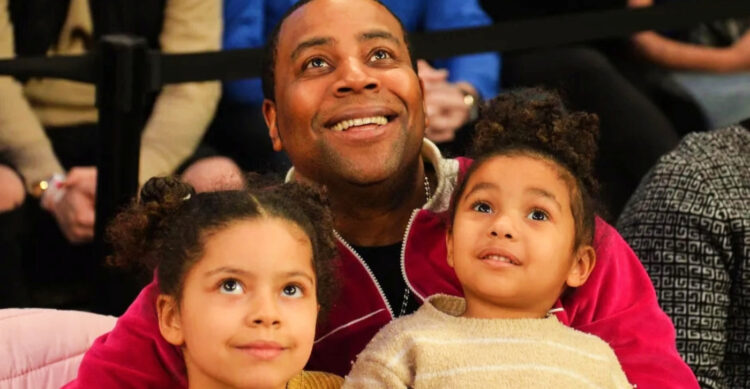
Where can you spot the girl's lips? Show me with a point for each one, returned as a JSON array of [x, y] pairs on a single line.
[[262, 350], [498, 256]]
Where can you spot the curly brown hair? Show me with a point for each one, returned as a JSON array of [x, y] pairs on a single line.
[[166, 228], [535, 122]]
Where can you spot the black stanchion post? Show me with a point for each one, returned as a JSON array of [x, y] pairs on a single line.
[[121, 94]]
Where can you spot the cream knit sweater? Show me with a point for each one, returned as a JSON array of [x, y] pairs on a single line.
[[436, 348], [180, 116]]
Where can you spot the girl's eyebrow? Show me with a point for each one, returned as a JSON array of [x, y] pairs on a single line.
[[240, 272], [546, 194], [299, 274], [485, 185], [226, 269]]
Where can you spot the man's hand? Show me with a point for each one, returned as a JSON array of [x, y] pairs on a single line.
[[72, 204], [446, 109]]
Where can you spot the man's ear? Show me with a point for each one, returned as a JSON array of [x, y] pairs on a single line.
[[269, 114], [424, 105], [449, 247], [583, 264], [170, 324]]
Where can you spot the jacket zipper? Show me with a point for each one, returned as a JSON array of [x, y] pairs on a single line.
[[403, 254], [363, 263]]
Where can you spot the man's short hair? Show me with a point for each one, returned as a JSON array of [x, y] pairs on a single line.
[[271, 49]]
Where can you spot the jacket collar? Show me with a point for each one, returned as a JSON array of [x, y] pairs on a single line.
[[446, 171]]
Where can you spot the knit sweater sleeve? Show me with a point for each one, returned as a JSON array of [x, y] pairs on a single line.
[[382, 363], [182, 111], [22, 138]]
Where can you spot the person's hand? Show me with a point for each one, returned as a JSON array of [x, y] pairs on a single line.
[[444, 101], [72, 204], [741, 50]]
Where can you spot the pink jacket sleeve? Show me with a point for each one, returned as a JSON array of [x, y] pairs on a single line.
[[618, 303], [133, 354]]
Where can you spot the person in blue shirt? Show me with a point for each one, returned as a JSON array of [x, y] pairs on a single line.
[[453, 86]]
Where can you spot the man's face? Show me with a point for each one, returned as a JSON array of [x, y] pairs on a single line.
[[348, 104]]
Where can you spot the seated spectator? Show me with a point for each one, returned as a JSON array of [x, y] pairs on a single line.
[[711, 61], [689, 223], [48, 127]]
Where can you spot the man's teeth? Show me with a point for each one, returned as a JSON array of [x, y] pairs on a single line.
[[345, 124], [499, 258]]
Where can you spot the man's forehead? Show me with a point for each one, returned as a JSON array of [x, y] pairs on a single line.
[[332, 20]]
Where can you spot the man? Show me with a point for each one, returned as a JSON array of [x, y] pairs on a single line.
[[689, 222], [345, 102]]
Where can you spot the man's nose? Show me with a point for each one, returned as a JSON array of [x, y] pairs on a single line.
[[503, 227], [355, 77], [264, 312]]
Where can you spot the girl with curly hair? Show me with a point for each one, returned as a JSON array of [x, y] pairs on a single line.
[[241, 275], [519, 236]]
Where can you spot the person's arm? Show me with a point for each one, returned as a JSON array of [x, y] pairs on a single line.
[[182, 111], [245, 22], [21, 134], [380, 365], [134, 354], [686, 56], [22, 138], [449, 81], [618, 303], [481, 71]]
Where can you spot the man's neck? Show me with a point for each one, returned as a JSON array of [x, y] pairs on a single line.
[[377, 215]]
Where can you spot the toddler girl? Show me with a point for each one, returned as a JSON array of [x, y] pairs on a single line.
[[242, 276], [520, 233]]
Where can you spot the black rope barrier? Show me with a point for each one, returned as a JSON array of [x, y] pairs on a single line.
[[502, 37]]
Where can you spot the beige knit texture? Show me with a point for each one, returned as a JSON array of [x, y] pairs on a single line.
[[315, 380], [436, 348]]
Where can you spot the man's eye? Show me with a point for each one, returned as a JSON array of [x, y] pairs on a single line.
[[380, 55], [292, 291], [482, 207], [231, 286], [316, 63], [538, 215]]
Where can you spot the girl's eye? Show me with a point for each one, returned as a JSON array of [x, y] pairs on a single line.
[[380, 55], [482, 207], [538, 215], [316, 63], [231, 286], [292, 291]]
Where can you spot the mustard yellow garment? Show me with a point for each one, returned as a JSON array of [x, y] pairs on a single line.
[[315, 380]]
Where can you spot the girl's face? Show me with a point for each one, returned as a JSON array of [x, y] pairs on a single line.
[[248, 310], [512, 238]]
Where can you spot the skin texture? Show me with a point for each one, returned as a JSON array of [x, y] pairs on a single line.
[[519, 207], [239, 294], [12, 192], [364, 71], [678, 55]]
